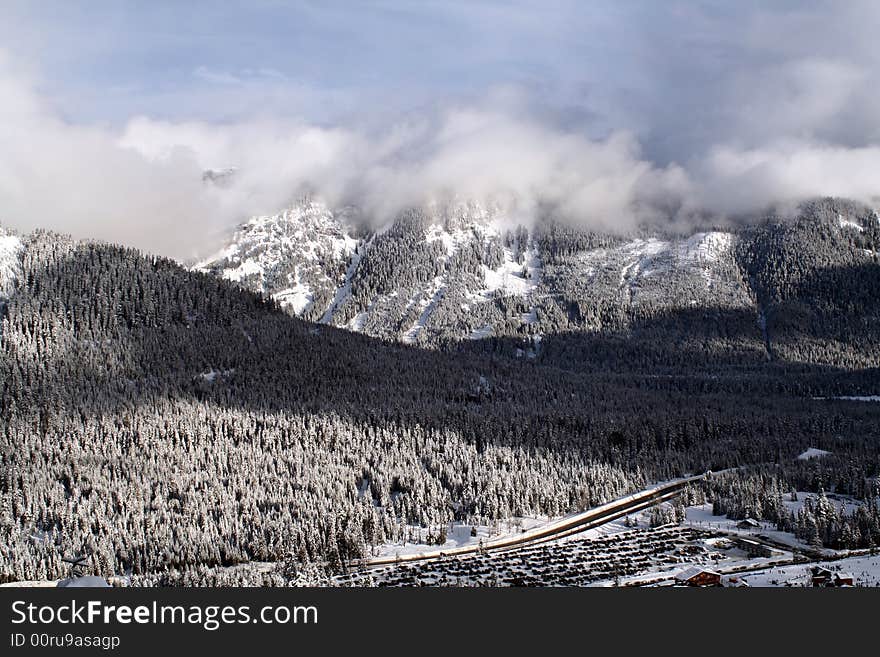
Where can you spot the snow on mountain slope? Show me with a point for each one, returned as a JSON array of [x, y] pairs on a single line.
[[607, 287], [464, 270], [848, 223], [426, 306], [299, 257], [10, 253], [643, 259], [706, 247], [10, 268], [513, 278], [705, 251], [343, 292]]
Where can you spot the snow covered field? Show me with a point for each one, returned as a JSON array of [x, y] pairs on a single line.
[[457, 535], [864, 569], [812, 453], [10, 250], [857, 398], [701, 516], [512, 278], [430, 298]]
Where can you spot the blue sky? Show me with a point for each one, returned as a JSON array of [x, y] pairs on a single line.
[[112, 59], [598, 64], [686, 101], [221, 61]]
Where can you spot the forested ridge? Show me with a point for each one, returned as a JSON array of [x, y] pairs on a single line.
[[159, 418]]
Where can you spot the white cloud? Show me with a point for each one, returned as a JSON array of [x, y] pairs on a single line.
[[742, 180], [215, 77], [485, 152], [142, 185], [701, 107], [78, 179]]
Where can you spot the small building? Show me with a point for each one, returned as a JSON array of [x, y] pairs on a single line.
[[748, 523], [801, 580], [843, 579], [735, 582], [821, 576], [696, 576], [754, 548]]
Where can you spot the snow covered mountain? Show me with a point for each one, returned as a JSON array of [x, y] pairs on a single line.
[[298, 257], [466, 271]]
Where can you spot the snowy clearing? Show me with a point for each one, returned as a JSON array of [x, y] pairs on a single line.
[[211, 375], [481, 332], [864, 569], [856, 398], [512, 278], [344, 290], [427, 304], [10, 251], [706, 247], [846, 223], [812, 453], [298, 297], [458, 535]]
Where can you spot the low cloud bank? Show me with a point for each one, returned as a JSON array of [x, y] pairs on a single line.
[[142, 184]]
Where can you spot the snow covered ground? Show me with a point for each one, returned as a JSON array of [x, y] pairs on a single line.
[[847, 223], [211, 375], [50, 583], [344, 290], [459, 535], [706, 247], [812, 453], [298, 297], [426, 307], [666, 271], [10, 251], [701, 516], [512, 278], [768, 572], [298, 242], [856, 398], [481, 332], [864, 569], [451, 240]]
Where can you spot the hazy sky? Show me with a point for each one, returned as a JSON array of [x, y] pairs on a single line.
[[607, 109]]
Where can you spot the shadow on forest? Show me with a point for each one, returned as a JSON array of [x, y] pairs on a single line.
[[163, 335]]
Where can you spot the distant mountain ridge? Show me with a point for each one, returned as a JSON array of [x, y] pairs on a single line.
[[464, 271]]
